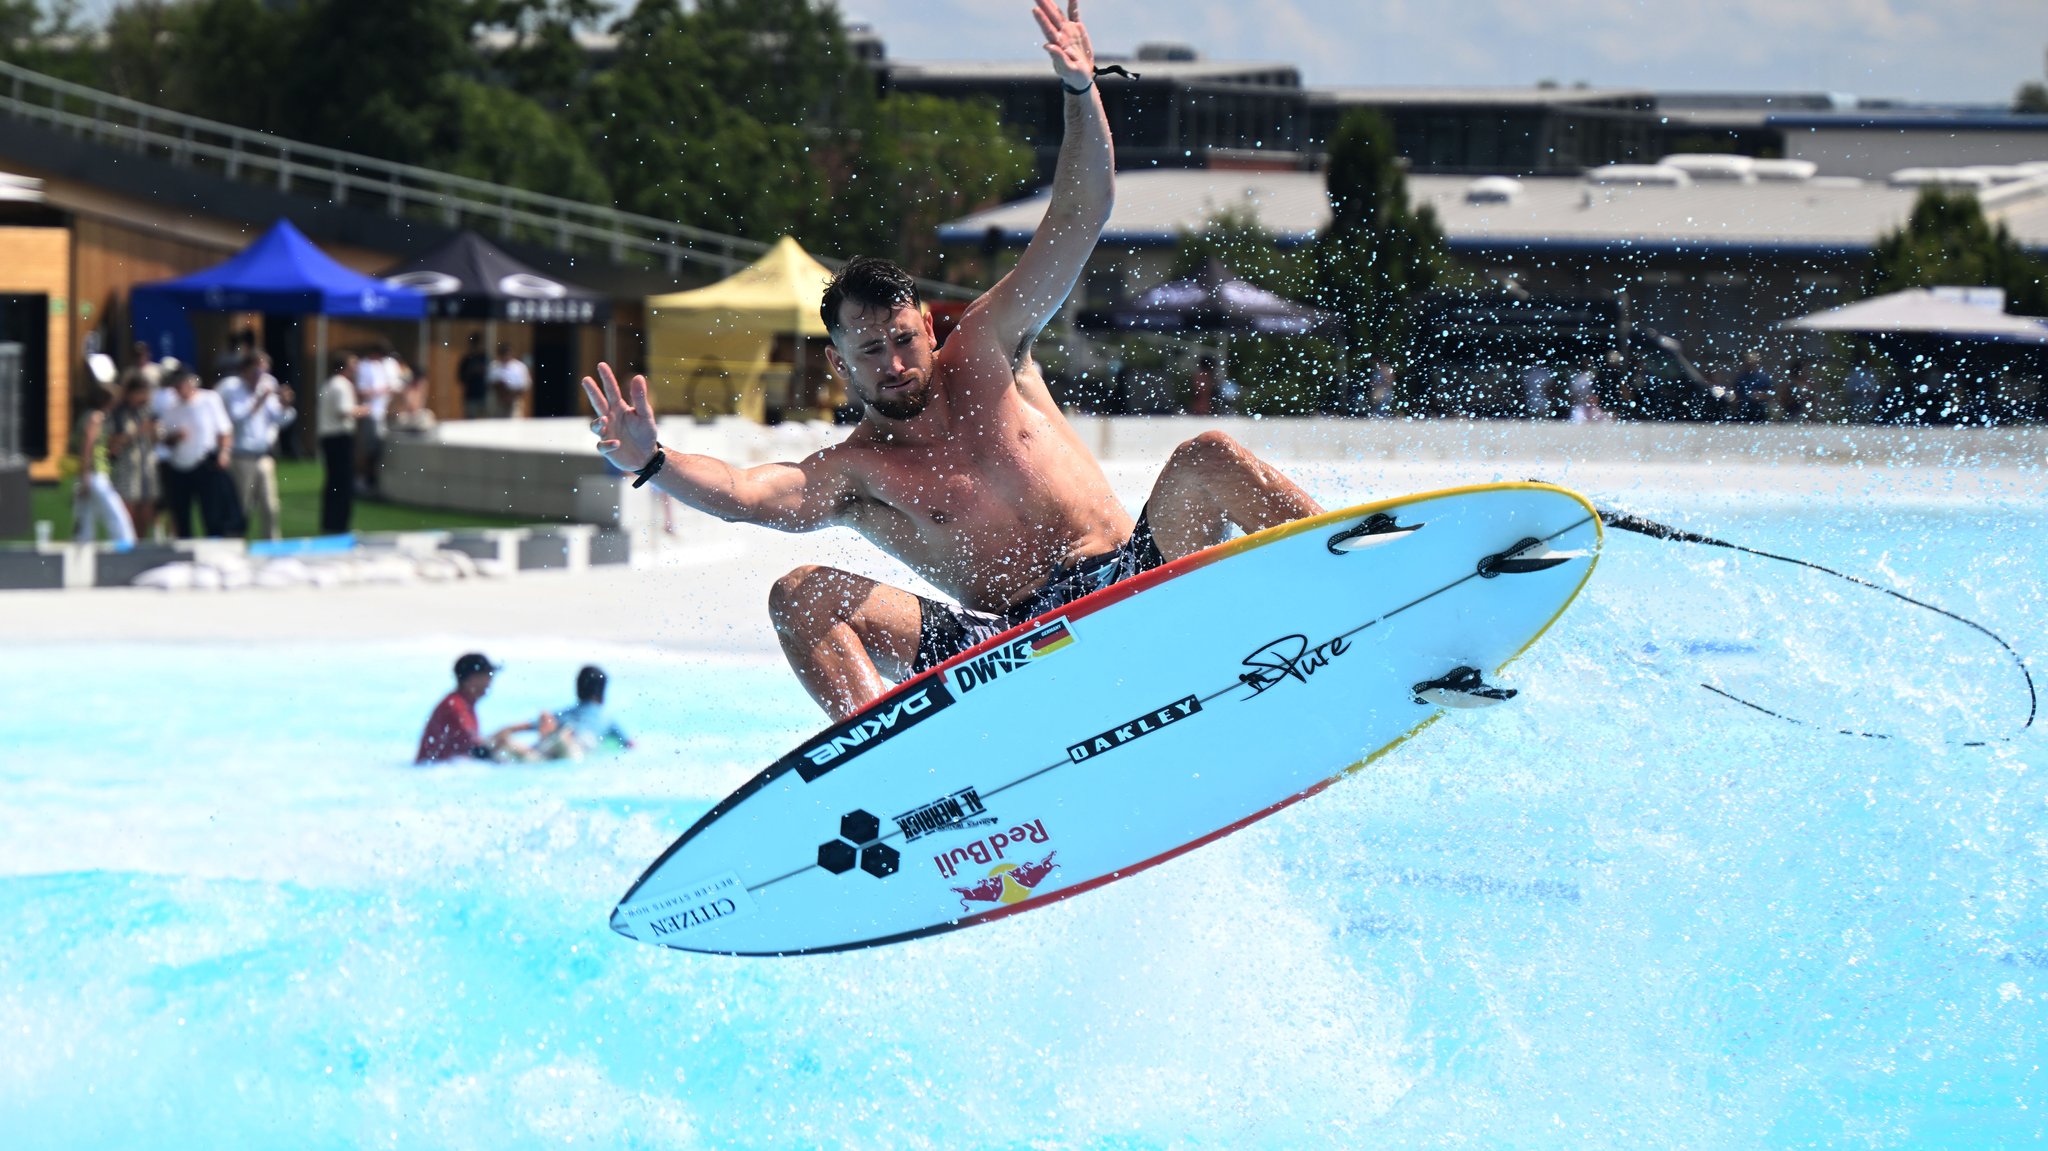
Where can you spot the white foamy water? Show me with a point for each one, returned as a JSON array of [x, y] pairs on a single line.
[[1622, 912]]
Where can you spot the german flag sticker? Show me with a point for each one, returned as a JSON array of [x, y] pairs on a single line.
[[1050, 638]]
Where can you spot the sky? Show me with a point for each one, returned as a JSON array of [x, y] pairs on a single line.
[[1960, 51]]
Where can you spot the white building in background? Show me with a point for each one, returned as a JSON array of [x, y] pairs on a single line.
[[1715, 250]]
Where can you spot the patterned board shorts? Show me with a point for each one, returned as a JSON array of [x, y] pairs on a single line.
[[945, 630]]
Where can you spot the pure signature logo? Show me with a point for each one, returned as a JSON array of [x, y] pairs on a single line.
[[1288, 658]]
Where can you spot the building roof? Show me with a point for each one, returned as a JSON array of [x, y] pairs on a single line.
[[1153, 208], [1271, 73], [1920, 311], [1484, 97]]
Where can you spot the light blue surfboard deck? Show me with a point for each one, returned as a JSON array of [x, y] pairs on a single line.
[[1123, 729]]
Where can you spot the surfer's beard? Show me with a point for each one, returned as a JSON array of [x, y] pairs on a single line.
[[905, 406]]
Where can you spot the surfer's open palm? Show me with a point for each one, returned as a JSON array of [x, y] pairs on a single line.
[[625, 421], [1066, 41]]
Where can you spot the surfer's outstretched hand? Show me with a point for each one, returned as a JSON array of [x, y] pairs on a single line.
[[1066, 42], [625, 422]]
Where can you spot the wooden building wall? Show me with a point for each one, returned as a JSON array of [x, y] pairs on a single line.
[[37, 262]]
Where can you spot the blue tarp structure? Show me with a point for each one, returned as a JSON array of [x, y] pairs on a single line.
[[282, 273]]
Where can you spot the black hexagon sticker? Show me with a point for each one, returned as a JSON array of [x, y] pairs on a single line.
[[836, 856], [879, 860], [860, 827]]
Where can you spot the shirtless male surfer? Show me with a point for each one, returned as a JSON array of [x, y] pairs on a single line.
[[962, 466]]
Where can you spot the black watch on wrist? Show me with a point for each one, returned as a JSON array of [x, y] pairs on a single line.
[[652, 466]]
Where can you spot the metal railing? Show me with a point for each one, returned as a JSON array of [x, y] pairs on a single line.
[[400, 190]]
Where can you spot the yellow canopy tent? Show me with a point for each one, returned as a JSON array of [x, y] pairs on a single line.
[[712, 351]]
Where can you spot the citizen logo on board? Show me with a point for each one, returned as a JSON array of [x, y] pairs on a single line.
[[682, 911], [1138, 728], [848, 738], [1017, 654], [946, 813]]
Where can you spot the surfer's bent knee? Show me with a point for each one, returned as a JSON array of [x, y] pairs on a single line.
[[796, 596], [1207, 448]]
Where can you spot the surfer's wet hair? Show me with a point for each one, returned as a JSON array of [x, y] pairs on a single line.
[[870, 282]]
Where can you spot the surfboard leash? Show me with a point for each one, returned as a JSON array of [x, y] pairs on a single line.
[[1629, 522]]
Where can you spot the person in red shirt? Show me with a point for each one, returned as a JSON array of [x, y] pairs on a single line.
[[452, 731]]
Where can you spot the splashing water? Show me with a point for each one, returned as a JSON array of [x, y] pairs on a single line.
[[1620, 913]]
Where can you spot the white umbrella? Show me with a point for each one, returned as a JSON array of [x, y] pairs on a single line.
[[1918, 311]]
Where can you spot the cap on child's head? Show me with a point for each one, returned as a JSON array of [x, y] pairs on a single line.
[[590, 683], [472, 663]]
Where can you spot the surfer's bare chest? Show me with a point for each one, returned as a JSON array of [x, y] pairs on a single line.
[[986, 478]]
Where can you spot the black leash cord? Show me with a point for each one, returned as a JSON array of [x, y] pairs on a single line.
[[1628, 522]]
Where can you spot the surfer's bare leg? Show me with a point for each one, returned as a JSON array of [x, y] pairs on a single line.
[[843, 634], [1211, 482]]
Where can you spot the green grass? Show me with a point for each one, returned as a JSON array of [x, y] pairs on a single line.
[[298, 491]]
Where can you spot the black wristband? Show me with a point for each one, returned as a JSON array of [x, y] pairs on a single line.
[[1081, 91], [652, 466]]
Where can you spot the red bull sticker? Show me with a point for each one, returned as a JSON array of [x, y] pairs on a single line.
[[990, 849], [1008, 883], [682, 912]]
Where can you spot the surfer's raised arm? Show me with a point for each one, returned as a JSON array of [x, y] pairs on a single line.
[[796, 497], [1011, 314]]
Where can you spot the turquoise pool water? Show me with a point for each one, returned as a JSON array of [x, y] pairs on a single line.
[[1620, 913]]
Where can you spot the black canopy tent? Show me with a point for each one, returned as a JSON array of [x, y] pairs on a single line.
[[1214, 303], [470, 278]]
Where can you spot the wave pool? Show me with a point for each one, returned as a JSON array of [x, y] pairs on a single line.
[[1622, 912]]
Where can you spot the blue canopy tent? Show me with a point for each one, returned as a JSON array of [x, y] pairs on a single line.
[[282, 272]]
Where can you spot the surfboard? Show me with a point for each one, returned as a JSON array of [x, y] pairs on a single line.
[[1127, 728]]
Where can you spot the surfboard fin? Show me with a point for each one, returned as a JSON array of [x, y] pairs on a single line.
[[1377, 529], [1528, 555], [1461, 687]]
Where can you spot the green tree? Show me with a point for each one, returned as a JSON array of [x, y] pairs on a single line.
[[491, 133], [925, 161], [47, 36], [1378, 253], [2031, 99], [544, 62], [1948, 240], [677, 147]]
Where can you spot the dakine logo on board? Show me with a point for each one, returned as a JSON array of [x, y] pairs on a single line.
[[679, 912], [1003, 659], [851, 737], [946, 813], [1138, 728]]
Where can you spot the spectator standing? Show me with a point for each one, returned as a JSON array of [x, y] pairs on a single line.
[[1795, 394], [131, 448], [95, 501], [1202, 397], [373, 395], [510, 381], [1862, 388], [335, 421], [1537, 382], [475, 374], [142, 368], [1755, 393], [410, 414], [199, 434], [1585, 396], [260, 408], [1380, 398]]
